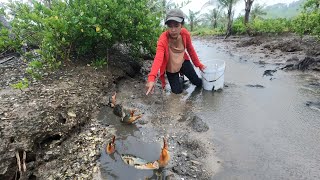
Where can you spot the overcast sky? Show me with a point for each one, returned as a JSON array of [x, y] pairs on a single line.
[[196, 5]]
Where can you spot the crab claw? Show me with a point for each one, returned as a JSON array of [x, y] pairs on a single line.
[[134, 118], [129, 116], [132, 112], [113, 100], [164, 155], [111, 146]]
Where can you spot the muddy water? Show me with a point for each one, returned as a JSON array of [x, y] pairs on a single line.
[[256, 133], [261, 133]]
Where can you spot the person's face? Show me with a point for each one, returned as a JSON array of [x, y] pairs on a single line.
[[174, 28]]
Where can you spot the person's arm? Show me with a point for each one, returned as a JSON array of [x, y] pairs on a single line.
[[192, 53], [157, 62]]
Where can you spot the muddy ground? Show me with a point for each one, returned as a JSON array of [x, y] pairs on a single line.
[[55, 120], [288, 51]]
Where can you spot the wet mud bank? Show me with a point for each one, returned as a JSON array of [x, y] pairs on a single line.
[[46, 122], [58, 127], [288, 53], [50, 130]]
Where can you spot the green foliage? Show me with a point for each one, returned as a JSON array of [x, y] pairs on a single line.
[[207, 32], [277, 26], [24, 83], [35, 69], [76, 28], [7, 41], [300, 25], [36, 64], [260, 26], [311, 5], [238, 26], [99, 63], [308, 22]]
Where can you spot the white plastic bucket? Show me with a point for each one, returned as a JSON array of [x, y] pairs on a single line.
[[213, 75]]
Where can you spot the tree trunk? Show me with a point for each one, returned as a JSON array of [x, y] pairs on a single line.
[[191, 26], [215, 23], [49, 4], [229, 26], [247, 9]]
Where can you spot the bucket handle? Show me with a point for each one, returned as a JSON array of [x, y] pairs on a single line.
[[215, 79]]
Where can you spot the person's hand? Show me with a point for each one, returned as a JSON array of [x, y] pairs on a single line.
[[202, 68], [150, 87]]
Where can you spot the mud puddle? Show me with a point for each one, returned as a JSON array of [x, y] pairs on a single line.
[[164, 115], [134, 139], [113, 167]]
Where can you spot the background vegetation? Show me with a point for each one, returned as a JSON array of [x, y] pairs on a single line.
[[283, 10], [69, 30], [301, 17]]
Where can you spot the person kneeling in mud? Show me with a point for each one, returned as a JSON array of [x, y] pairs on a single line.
[[171, 56]]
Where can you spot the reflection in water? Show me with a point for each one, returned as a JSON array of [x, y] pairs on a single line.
[[123, 130], [113, 166], [129, 140]]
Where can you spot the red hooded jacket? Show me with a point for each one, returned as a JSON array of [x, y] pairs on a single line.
[[162, 55]]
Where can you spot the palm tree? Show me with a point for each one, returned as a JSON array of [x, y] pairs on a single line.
[[161, 6], [213, 16], [257, 11], [225, 4], [193, 19], [223, 21]]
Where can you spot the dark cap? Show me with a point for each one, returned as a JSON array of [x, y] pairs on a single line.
[[174, 15]]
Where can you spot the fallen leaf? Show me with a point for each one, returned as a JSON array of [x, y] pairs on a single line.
[[72, 114]]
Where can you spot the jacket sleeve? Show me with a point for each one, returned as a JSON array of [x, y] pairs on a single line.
[[157, 62], [192, 53]]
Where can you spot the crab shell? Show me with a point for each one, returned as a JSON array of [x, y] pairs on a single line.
[[139, 163]]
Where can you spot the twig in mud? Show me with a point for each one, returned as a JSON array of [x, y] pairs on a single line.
[[18, 161], [5, 60], [15, 177], [78, 125], [162, 98], [24, 167], [2, 54]]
